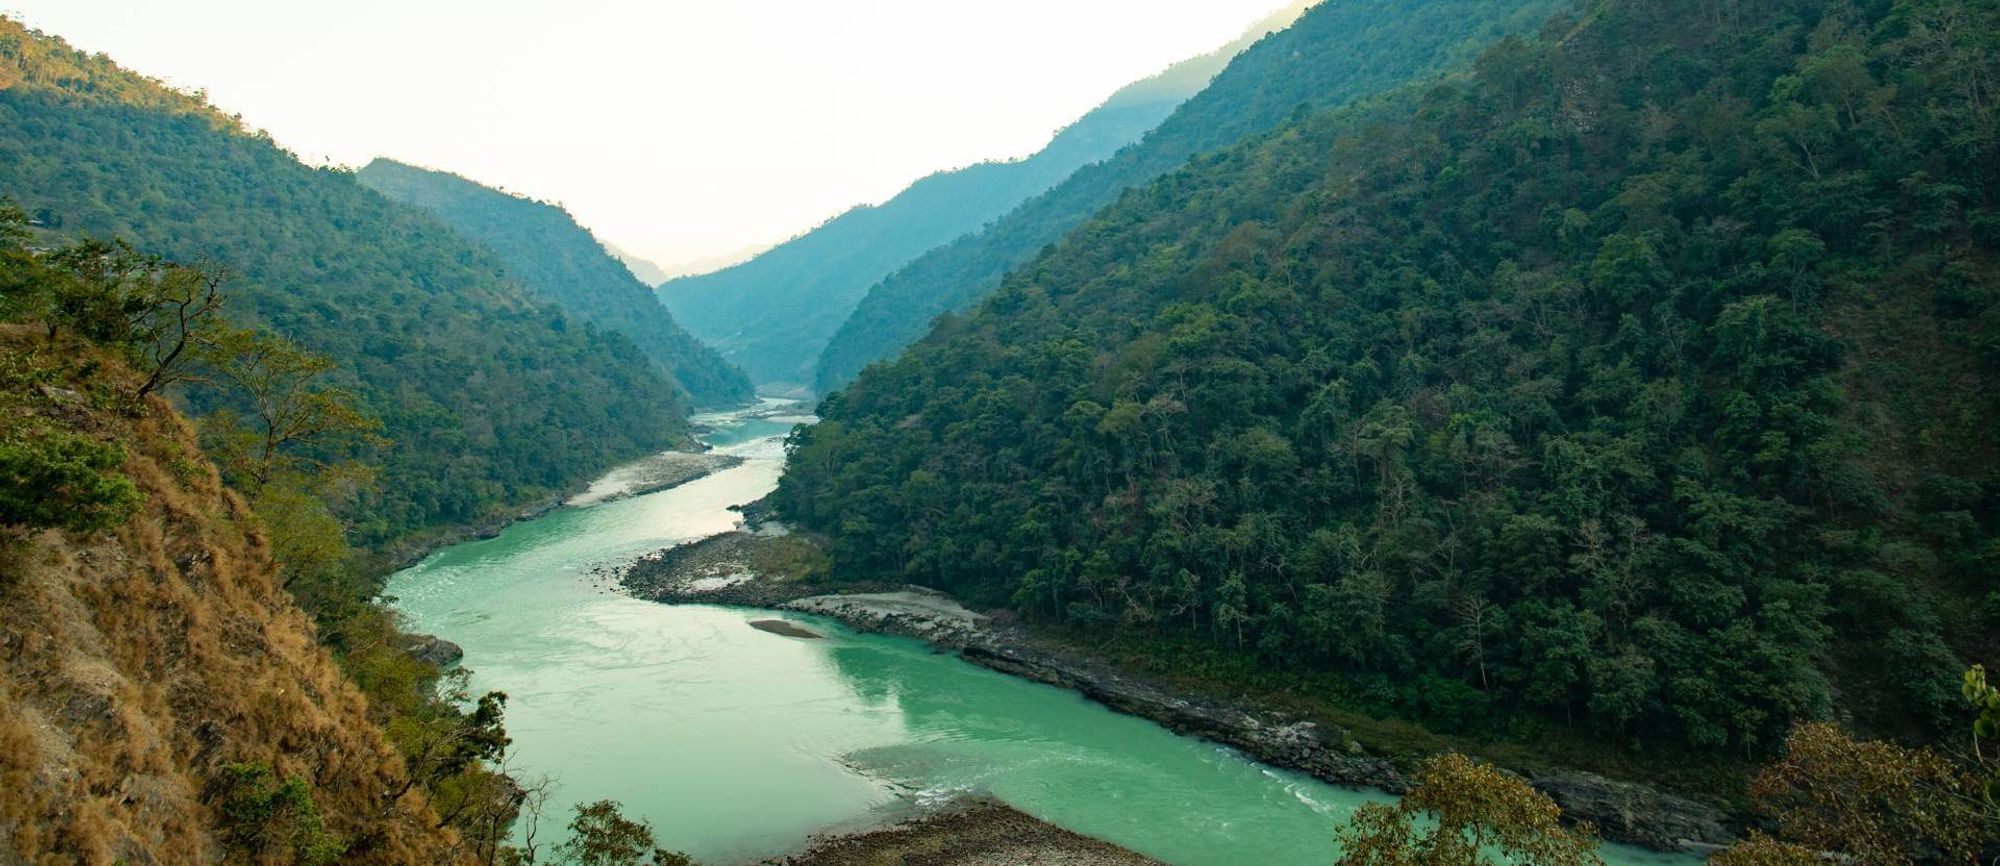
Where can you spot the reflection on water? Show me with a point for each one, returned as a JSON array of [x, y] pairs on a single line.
[[737, 744]]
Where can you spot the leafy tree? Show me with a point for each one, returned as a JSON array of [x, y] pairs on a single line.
[[1985, 700], [1873, 801], [288, 405], [1465, 813], [601, 835]]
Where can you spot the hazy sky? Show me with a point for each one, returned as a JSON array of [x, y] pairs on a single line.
[[674, 128]]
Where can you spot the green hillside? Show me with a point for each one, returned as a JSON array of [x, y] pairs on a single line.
[[1628, 387], [1339, 51], [490, 396], [560, 261]]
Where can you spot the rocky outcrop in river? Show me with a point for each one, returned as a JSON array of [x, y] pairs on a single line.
[[1622, 811]]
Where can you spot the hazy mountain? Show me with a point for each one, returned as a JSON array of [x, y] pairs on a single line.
[[643, 270], [1338, 52], [490, 395], [561, 261], [773, 313], [710, 264]]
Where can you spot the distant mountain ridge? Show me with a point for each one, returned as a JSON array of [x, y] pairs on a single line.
[[642, 268], [1337, 52], [773, 314], [549, 253]]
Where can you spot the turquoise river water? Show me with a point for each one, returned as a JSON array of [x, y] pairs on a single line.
[[738, 744]]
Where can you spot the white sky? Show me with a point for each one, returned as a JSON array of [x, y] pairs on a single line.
[[675, 128]]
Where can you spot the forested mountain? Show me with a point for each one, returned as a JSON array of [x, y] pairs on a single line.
[[1632, 383], [1339, 51], [490, 396], [546, 251], [775, 312]]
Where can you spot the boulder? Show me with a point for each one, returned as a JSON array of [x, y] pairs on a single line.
[[1636, 814], [433, 649]]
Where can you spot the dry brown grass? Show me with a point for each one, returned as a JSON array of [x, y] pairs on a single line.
[[136, 662]]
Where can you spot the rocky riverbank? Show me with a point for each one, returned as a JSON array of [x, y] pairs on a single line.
[[661, 471], [719, 570], [981, 833]]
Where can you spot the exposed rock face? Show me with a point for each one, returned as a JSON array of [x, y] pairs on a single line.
[[1635, 813], [434, 649]]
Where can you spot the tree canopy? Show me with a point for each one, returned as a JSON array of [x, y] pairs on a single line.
[[1630, 381]]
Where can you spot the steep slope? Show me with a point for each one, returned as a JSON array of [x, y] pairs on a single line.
[[774, 313], [158, 689], [1338, 52], [546, 251], [1628, 390], [491, 397], [643, 270]]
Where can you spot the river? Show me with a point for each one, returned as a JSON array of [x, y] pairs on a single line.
[[738, 744]]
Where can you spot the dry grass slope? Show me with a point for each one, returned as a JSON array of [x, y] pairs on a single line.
[[136, 663]]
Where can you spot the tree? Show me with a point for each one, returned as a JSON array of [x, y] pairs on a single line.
[[601, 835], [52, 478], [287, 401], [1875, 802], [1477, 808], [184, 308], [1985, 700], [440, 745]]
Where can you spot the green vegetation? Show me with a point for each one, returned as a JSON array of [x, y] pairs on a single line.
[[601, 835], [272, 820], [371, 376], [1871, 802], [1337, 53], [1985, 701], [1463, 813], [52, 478], [1829, 798], [86, 308], [489, 397], [774, 313], [560, 261], [1628, 387]]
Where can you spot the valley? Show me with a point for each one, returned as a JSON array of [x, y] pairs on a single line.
[[740, 744], [1413, 433]]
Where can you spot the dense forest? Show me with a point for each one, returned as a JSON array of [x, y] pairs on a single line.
[[1631, 382], [489, 396], [1336, 53], [774, 313], [560, 261]]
